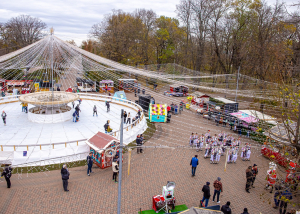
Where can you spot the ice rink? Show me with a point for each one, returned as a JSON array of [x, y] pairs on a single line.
[[39, 137]]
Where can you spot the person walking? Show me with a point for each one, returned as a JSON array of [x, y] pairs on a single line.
[[95, 111], [249, 178], [125, 116], [4, 115], [206, 194], [128, 118], [74, 116], [286, 196], [73, 104], [65, 175], [115, 168], [7, 175], [194, 163], [245, 211], [107, 106], [218, 189], [89, 160], [255, 172], [77, 108], [139, 143], [226, 209]]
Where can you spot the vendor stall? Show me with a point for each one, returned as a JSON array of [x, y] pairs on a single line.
[[128, 85], [106, 86], [104, 148], [158, 113], [177, 91], [227, 106]]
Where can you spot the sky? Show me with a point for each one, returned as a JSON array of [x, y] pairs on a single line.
[[73, 19]]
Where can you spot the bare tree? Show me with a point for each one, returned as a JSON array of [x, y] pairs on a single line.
[[24, 29]]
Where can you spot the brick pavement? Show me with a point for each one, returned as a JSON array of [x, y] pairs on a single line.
[[43, 192]]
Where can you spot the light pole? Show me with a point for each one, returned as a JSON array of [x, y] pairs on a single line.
[[120, 163]]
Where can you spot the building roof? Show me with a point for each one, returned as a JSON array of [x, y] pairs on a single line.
[[199, 94], [100, 141], [223, 100]]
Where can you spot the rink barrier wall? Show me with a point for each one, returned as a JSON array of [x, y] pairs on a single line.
[[95, 97]]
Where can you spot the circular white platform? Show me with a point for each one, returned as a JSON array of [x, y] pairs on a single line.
[[46, 141]]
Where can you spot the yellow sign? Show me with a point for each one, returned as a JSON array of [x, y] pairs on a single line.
[[44, 89], [37, 86]]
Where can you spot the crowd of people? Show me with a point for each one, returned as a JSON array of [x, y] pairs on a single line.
[[215, 146]]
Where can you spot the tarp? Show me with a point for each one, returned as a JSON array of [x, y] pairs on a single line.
[[259, 115], [120, 95], [244, 117]]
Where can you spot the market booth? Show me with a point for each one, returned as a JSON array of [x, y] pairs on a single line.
[[177, 91], [128, 85], [106, 86], [226, 105], [158, 113], [104, 148]]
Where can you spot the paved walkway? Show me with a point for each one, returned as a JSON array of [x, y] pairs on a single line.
[[150, 171]]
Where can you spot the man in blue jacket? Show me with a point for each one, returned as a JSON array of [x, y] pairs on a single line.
[[194, 164]]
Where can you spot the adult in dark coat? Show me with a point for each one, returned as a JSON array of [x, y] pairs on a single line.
[[206, 194], [7, 174], [139, 143], [249, 178], [226, 209], [245, 211], [89, 160], [65, 177]]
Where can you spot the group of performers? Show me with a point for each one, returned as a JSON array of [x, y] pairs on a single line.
[[215, 146]]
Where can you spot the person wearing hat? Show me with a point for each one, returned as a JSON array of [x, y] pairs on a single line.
[[218, 189], [206, 194], [226, 209], [255, 172]]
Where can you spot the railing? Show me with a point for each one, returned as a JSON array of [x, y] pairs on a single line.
[[94, 96], [109, 98]]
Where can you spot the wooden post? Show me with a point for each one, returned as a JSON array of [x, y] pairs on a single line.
[[53, 146], [77, 143], [127, 128], [129, 157], [27, 148], [40, 147], [1, 148], [65, 144], [14, 148]]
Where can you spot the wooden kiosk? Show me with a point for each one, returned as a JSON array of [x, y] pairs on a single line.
[[106, 86], [127, 85], [104, 148]]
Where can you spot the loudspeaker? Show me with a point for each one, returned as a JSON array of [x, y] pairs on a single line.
[[144, 101]]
